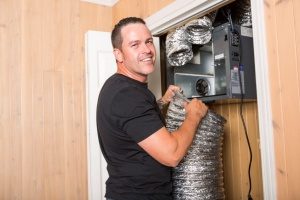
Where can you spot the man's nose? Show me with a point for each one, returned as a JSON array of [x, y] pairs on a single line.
[[146, 48]]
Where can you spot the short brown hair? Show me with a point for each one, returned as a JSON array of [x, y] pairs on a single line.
[[116, 37]]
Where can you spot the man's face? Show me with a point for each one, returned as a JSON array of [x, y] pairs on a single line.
[[137, 51]]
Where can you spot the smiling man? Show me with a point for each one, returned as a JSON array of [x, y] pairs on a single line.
[[138, 148]]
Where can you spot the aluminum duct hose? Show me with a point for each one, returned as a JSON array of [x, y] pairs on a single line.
[[178, 49], [240, 12], [199, 30], [199, 175], [212, 15], [243, 9]]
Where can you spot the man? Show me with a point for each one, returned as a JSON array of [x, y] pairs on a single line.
[[138, 148]]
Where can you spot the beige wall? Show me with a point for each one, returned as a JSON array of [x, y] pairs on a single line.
[[42, 105], [138, 8], [283, 33]]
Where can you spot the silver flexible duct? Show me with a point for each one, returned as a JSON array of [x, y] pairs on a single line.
[[199, 175], [240, 12], [212, 15], [178, 49], [246, 16], [199, 30]]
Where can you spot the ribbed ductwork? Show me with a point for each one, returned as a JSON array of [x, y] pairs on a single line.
[[199, 30], [178, 49], [239, 11], [200, 174], [242, 12]]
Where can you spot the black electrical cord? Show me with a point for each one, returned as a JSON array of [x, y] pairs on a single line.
[[246, 133], [241, 106]]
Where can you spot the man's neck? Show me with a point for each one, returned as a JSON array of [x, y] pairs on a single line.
[[124, 71]]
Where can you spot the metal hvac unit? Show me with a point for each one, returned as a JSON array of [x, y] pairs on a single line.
[[220, 69]]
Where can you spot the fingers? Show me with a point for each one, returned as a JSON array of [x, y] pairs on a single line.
[[170, 93], [174, 88], [196, 107]]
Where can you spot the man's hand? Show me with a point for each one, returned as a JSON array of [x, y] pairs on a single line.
[[172, 89], [195, 110], [170, 93]]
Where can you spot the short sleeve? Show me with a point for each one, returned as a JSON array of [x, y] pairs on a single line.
[[136, 113]]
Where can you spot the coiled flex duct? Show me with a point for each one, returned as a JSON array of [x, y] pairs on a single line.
[[200, 174], [178, 49], [199, 30]]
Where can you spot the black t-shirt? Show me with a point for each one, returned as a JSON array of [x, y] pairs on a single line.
[[127, 113]]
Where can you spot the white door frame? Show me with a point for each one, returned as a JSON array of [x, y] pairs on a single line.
[[264, 100], [100, 64]]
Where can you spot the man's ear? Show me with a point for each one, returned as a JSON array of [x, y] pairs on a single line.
[[118, 55]]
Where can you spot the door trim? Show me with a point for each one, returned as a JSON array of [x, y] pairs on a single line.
[[264, 100]]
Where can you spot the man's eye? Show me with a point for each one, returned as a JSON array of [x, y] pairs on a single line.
[[134, 45]]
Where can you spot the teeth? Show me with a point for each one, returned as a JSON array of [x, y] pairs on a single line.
[[147, 59]]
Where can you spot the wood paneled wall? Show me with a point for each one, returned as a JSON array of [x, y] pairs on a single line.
[[43, 149], [283, 39], [137, 8], [236, 155]]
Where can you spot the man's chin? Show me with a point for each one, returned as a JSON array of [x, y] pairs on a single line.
[[150, 71]]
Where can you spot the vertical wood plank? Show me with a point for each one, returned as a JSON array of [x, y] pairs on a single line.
[[296, 4], [287, 51], [35, 57], [256, 174], [76, 182], [244, 151], [53, 137], [236, 152], [10, 101], [276, 99]]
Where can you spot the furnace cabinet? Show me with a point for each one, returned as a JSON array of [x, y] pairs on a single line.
[[223, 68]]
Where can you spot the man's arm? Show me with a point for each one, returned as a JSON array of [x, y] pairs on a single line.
[[169, 148]]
